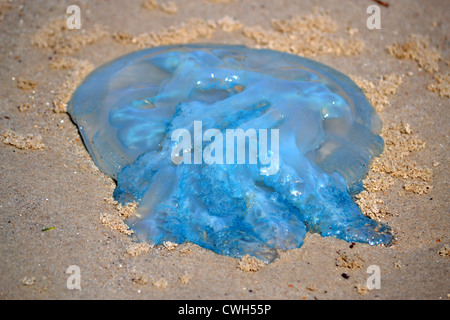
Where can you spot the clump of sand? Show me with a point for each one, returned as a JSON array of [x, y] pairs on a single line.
[[361, 289], [441, 85], [167, 7], [24, 107], [137, 249], [160, 283], [140, 279], [185, 278], [229, 24], [349, 261], [250, 264], [417, 48], [221, 1], [127, 210], [170, 245], [115, 223], [64, 62], [22, 141], [444, 251], [123, 210], [56, 36], [122, 37], [150, 4], [26, 84], [378, 92], [371, 205], [312, 287], [28, 281]]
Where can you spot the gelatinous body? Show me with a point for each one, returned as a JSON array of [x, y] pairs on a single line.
[[128, 111]]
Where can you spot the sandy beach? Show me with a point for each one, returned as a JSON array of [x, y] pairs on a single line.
[[56, 210]]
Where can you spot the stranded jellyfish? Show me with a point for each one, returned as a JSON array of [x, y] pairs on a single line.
[[239, 150]]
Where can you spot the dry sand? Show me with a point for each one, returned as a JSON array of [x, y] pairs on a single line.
[[53, 212]]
